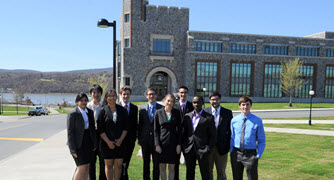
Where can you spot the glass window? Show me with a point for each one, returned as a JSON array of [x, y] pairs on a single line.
[[126, 17], [272, 87], [161, 45], [329, 52], [329, 82], [307, 73], [275, 50], [242, 48], [241, 77], [206, 78], [127, 42], [207, 47], [306, 51], [127, 81]]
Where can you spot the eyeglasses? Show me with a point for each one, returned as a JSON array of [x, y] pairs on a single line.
[[152, 94]]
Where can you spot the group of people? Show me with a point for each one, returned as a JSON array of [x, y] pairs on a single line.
[[109, 130]]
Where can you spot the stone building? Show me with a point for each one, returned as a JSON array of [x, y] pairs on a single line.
[[157, 49]]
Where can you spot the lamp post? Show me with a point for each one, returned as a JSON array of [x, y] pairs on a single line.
[[204, 89], [103, 23], [311, 92]]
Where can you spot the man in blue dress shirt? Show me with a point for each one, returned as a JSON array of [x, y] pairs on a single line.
[[248, 141]]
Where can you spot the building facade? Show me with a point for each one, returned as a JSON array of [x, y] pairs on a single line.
[[157, 49]]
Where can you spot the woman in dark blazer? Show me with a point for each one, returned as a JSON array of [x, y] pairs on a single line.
[[112, 127], [167, 136], [81, 137]]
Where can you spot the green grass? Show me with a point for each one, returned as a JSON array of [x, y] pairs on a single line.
[[287, 156], [63, 111], [304, 118], [327, 127], [262, 106], [20, 108], [13, 113]]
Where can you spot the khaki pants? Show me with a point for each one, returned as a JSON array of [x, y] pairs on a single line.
[[220, 161]]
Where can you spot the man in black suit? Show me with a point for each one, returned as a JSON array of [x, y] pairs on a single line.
[[130, 138], [199, 136], [222, 118], [184, 106], [146, 134]]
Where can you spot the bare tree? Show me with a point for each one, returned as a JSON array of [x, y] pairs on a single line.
[[99, 79], [18, 99], [291, 79]]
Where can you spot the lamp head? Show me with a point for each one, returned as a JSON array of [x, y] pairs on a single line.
[[311, 92], [103, 23]]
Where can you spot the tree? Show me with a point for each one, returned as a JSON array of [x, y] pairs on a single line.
[[99, 79], [291, 79], [18, 99]]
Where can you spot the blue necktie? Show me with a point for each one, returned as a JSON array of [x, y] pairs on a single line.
[[151, 113]]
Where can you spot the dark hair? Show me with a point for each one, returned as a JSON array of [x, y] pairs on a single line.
[[245, 99], [106, 96], [215, 93], [126, 88], [80, 96], [200, 97], [97, 88], [184, 87], [150, 89]]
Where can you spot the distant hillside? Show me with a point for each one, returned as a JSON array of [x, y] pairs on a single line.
[[109, 70], [54, 82]]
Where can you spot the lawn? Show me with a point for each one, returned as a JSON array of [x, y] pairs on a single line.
[[303, 118], [287, 156], [327, 127]]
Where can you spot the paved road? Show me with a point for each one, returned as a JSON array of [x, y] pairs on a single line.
[[18, 133], [291, 113]]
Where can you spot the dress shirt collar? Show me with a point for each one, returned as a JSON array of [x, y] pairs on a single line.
[[82, 111], [199, 114], [185, 103], [152, 105], [123, 104]]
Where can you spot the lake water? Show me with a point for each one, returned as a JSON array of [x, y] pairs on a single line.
[[51, 98]]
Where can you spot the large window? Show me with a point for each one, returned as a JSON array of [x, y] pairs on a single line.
[[329, 86], [306, 51], [208, 46], [206, 77], [275, 50], [272, 87], [329, 52], [161, 45], [242, 48], [241, 79], [307, 73]]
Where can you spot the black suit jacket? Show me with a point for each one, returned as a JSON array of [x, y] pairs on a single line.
[[76, 129], [189, 108], [133, 123], [145, 127], [105, 123], [223, 129], [167, 132], [203, 138]]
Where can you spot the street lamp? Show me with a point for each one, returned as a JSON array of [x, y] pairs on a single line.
[[103, 23], [311, 94], [204, 89]]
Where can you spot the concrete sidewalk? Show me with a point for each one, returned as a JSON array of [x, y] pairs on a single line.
[[49, 159], [299, 131], [297, 121]]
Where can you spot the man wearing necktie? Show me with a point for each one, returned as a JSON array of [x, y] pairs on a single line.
[[184, 106], [248, 141], [146, 136], [131, 136], [218, 154]]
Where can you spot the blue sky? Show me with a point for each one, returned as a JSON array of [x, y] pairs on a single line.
[[61, 35]]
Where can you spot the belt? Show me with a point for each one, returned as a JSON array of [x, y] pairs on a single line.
[[245, 150]]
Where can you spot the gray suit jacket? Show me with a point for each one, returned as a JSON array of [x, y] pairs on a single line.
[[76, 129]]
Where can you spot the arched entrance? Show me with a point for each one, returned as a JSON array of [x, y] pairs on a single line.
[[159, 81], [163, 80]]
